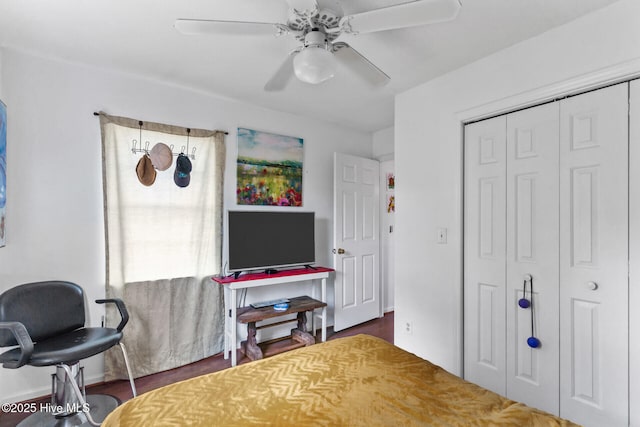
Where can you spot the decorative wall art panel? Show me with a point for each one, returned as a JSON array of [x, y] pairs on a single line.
[[269, 169]]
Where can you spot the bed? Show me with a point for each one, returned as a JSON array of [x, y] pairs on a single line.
[[353, 381]]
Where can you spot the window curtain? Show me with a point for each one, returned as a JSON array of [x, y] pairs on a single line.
[[163, 244]]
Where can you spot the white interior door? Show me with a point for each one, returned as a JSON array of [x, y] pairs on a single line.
[[356, 240], [484, 254], [533, 249], [594, 257]]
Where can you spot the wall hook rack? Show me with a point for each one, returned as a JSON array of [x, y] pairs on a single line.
[[135, 149]]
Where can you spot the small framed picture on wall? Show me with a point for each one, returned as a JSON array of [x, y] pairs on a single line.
[[391, 203]]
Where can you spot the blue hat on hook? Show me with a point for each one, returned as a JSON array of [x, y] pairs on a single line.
[[182, 174]]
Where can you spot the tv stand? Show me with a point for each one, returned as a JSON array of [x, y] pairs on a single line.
[[231, 285], [237, 274]]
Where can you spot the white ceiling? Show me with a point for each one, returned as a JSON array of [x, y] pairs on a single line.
[[137, 36]]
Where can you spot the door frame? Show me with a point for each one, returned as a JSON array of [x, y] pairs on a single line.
[[385, 253]]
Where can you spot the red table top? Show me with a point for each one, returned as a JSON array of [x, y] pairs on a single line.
[[279, 273]]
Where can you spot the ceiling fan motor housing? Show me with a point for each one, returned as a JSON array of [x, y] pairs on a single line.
[[304, 22], [315, 38]]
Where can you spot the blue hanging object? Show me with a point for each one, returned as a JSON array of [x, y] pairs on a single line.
[[523, 302]]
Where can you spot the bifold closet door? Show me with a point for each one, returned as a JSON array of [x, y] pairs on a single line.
[[511, 230], [547, 195], [484, 254], [533, 251], [594, 294]]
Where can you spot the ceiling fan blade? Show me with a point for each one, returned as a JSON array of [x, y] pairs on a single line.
[[302, 5], [204, 26], [359, 64], [401, 16], [281, 77]]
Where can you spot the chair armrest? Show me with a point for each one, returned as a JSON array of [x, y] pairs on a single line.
[[24, 341], [124, 314]]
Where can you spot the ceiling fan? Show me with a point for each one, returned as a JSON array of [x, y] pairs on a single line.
[[317, 24]]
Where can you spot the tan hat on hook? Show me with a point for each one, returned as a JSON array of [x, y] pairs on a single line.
[[145, 171]]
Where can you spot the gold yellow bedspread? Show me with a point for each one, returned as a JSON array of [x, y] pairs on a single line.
[[354, 381]]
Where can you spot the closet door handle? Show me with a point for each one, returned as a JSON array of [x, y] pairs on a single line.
[[592, 286]]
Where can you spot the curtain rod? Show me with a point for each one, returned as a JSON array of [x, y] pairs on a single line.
[[223, 131]]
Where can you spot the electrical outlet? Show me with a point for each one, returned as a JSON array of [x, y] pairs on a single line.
[[408, 327]]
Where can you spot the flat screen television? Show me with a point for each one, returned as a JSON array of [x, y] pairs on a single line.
[[259, 240]]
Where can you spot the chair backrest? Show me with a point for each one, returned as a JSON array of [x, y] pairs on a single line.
[[45, 308]]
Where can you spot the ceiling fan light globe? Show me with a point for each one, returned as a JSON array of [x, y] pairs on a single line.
[[314, 65]]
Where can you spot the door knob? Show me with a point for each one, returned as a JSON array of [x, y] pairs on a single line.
[[340, 251], [592, 286]]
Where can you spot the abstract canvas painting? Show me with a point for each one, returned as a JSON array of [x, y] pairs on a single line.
[[269, 169], [3, 171]]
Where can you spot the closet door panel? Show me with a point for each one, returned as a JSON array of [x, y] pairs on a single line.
[[533, 250], [593, 257], [484, 242], [634, 252]]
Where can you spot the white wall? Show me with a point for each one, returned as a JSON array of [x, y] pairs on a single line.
[[428, 155], [54, 210], [382, 141]]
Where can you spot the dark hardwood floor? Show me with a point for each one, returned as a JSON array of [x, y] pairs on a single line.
[[382, 328]]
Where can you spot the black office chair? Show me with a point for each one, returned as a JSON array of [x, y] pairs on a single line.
[[45, 320]]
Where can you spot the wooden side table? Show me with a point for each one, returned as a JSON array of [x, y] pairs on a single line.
[[299, 336], [233, 284]]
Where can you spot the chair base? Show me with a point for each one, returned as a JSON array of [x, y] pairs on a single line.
[[100, 406]]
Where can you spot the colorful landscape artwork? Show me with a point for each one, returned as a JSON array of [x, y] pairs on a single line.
[[3, 171], [269, 169]]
